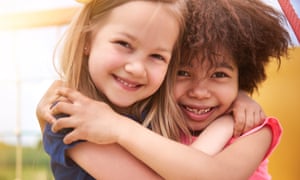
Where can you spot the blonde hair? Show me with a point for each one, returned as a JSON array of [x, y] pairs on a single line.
[[74, 64]]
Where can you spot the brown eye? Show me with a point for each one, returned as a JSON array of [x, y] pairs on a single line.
[[183, 73], [219, 75]]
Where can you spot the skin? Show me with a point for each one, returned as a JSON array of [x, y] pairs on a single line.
[[104, 128], [128, 60], [124, 166], [147, 145], [204, 95]]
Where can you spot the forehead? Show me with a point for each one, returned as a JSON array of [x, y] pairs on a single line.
[[146, 21], [210, 59], [145, 15]]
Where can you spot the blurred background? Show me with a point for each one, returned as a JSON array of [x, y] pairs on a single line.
[[29, 31]]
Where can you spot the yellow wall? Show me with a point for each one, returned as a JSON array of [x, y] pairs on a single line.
[[280, 96]]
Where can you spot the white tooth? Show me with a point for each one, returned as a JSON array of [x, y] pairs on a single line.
[[126, 83], [196, 111]]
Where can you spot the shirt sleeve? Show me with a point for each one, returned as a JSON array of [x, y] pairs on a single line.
[[55, 147], [276, 129]]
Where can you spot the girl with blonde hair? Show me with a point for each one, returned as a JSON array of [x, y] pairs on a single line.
[[119, 52], [228, 44]]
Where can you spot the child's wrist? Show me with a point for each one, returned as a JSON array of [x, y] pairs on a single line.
[[123, 129]]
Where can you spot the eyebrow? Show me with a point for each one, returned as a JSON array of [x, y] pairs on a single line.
[[225, 65]]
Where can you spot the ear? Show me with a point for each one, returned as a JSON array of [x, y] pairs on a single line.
[[87, 45], [86, 50]]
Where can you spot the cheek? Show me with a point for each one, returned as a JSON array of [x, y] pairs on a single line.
[[95, 67], [96, 59], [103, 61], [178, 90], [157, 75], [229, 94]]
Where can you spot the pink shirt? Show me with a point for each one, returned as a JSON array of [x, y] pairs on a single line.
[[261, 172]]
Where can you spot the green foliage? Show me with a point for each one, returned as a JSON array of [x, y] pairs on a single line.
[[7, 157], [35, 163]]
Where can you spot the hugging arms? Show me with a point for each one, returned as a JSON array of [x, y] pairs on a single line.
[[112, 160], [215, 66]]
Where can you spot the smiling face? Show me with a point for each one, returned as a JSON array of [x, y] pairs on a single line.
[[131, 50], [204, 92]]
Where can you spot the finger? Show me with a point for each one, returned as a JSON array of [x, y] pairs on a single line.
[[70, 94], [43, 113], [249, 121], [48, 117], [257, 119], [71, 137], [262, 116], [65, 122], [239, 124], [47, 100], [62, 99], [50, 95], [63, 108], [230, 110]]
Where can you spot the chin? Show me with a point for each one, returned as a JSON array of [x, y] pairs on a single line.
[[197, 126]]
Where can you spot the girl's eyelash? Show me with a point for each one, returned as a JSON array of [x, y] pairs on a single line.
[[128, 45], [158, 56], [220, 74], [182, 73], [123, 43]]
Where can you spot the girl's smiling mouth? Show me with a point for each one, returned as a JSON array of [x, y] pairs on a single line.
[[196, 110], [195, 113], [126, 83]]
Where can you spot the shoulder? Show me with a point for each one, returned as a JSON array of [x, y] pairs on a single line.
[[274, 127], [267, 135]]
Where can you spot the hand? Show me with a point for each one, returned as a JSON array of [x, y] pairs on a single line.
[[90, 120], [247, 113], [43, 112]]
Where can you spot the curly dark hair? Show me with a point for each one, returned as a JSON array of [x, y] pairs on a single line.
[[252, 32]]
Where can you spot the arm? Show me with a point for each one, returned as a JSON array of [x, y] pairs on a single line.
[[43, 112], [110, 162], [246, 112], [213, 138], [176, 161]]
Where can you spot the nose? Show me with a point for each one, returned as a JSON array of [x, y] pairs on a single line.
[[136, 67], [199, 90]]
